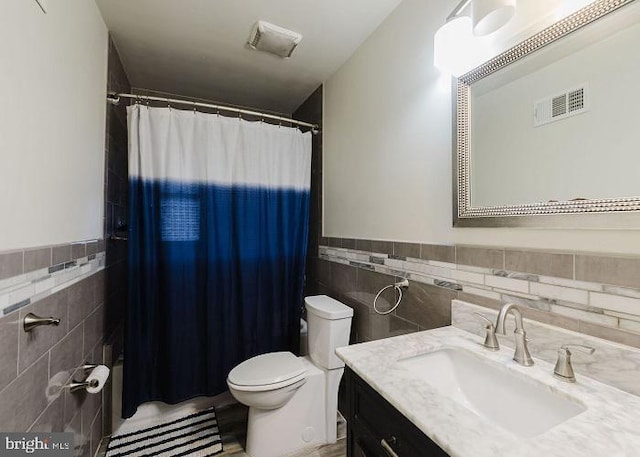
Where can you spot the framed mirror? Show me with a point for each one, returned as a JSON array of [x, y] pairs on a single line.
[[547, 134]]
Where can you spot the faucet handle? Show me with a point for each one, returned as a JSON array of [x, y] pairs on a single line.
[[580, 347], [563, 369], [490, 340]]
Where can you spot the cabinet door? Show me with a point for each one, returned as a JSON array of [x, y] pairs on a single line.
[[377, 429], [364, 444]]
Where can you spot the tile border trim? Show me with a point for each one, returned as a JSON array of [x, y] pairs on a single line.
[[602, 310]]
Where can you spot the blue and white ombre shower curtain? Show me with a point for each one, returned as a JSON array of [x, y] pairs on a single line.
[[218, 222]]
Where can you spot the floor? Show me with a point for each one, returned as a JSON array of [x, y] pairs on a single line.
[[232, 422]]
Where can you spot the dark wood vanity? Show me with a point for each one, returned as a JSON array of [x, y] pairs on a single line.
[[376, 429]]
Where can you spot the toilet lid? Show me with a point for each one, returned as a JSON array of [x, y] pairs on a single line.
[[266, 369]]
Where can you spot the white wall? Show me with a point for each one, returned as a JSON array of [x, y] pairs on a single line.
[[52, 122], [387, 147]]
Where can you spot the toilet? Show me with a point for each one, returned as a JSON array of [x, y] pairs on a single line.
[[293, 401]]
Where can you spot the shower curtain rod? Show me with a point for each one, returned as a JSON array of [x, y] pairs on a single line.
[[114, 98]]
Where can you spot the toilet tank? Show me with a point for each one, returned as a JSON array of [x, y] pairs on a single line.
[[329, 326]]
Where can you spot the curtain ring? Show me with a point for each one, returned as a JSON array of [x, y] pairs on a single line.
[[194, 108], [169, 104]]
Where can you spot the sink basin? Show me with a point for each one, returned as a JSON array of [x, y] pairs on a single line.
[[521, 406]]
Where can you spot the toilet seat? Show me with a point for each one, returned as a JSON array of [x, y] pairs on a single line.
[[270, 371]]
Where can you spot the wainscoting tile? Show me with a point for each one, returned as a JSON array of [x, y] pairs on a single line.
[[93, 329], [52, 418], [480, 300], [560, 293], [361, 324], [406, 250], [594, 318], [571, 283], [481, 292], [631, 325], [615, 303], [25, 398], [467, 276], [390, 325], [480, 257], [343, 278], [348, 243], [438, 252], [11, 264], [619, 271], [516, 285], [92, 247], [323, 271], [363, 245], [8, 350], [41, 339], [96, 432], [99, 284], [81, 301], [428, 306], [611, 334], [544, 263], [66, 355], [90, 408], [382, 247], [78, 250], [369, 284], [554, 300], [35, 259], [623, 291], [60, 254], [335, 242]]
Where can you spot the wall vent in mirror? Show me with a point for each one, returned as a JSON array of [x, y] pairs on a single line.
[[570, 102]]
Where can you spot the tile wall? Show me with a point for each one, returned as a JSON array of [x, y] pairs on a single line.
[[82, 283], [67, 282], [116, 203], [115, 222], [311, 111], [592, 294]]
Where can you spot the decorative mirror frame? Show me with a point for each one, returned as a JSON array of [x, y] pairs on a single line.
[[575, 213]]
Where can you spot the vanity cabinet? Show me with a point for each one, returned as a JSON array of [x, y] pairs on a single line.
[[376, 429]]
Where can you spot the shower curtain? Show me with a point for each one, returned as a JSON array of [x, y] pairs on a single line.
[[218, 221]]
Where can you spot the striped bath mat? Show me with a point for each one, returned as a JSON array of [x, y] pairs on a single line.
[[195, 435]]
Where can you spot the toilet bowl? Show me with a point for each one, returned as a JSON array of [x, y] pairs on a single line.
[[293, 400]]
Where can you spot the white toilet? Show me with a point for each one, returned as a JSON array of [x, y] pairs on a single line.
[[293, 401]]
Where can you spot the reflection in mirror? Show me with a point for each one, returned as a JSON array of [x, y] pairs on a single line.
[[563, 123], [548, 133]]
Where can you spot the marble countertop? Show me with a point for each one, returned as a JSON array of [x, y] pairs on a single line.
[[609, 427]]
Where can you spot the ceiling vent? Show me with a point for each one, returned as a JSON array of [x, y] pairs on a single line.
[[273, 39], [561, 106]]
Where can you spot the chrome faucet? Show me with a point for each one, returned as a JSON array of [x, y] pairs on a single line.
[[521, 355]]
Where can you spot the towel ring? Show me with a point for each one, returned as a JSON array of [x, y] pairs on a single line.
[[398, 286]]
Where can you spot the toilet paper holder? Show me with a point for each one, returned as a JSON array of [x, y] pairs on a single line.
[[74, 385]]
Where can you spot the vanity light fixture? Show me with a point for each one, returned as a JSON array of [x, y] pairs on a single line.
[[488, 16], [460, 44]]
